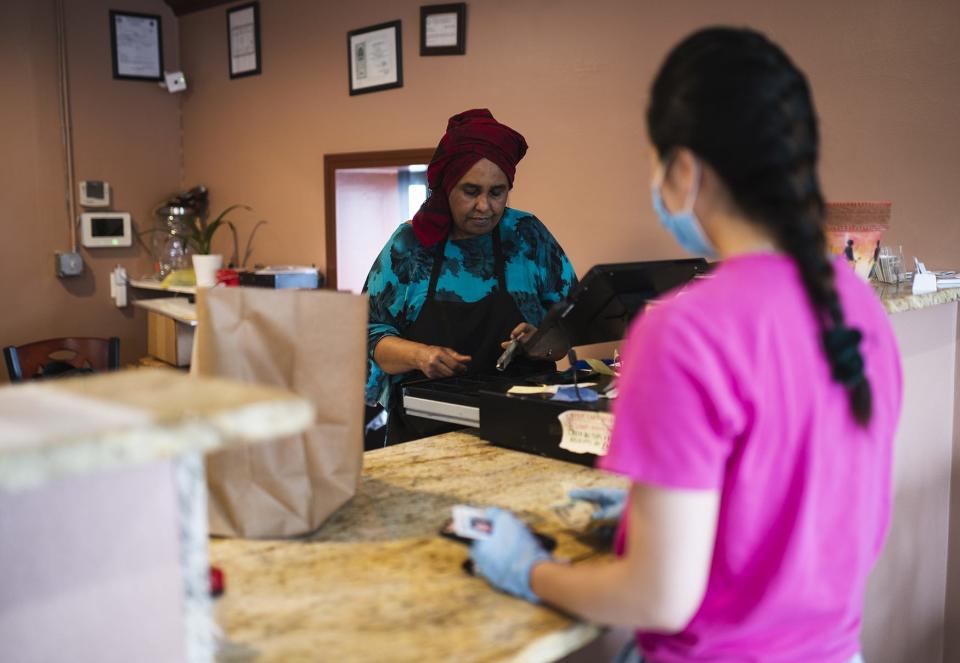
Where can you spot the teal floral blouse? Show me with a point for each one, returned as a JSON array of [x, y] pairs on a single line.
[[538, 275]]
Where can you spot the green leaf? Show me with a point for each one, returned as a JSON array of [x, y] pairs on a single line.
[[202, 237]]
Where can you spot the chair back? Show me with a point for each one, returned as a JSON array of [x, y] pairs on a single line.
[[60, 356]]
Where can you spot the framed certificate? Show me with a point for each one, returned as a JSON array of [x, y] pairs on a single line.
[[137, 44], [243, 38], [375, 58], [443, 29]]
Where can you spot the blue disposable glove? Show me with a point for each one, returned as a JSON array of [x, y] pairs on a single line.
[[609, 502], [508, 556]]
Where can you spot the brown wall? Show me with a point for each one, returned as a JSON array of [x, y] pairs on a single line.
[[125, 132], [573, 77]]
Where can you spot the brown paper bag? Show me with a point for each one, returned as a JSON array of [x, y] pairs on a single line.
[[314, 343]]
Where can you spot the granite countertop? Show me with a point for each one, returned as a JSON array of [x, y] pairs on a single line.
[[57, 428], [900, 298], [377, 583]]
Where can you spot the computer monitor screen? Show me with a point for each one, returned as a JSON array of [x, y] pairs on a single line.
[[599, 309]]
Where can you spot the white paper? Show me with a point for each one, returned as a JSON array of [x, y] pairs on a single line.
[[138, 46], [243, 43], [441, 30], [586, 431], [374, 58]]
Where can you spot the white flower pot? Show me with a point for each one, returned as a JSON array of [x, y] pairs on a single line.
[[205, 267]]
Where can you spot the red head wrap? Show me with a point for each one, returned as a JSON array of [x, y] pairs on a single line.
[[471, 136]]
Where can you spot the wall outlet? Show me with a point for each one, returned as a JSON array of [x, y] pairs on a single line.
[[68, 263]]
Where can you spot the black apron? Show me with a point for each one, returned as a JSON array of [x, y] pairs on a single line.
[[474, 328]]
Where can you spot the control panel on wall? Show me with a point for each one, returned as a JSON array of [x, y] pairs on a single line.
[[106, 229], [95, 193]]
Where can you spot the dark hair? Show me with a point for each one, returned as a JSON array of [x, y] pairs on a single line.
[[737, 101]]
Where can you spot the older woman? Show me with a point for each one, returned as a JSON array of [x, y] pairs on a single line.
[[466, 273]]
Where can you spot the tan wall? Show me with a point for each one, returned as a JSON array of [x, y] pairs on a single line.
[[127, 133], [573, 77]]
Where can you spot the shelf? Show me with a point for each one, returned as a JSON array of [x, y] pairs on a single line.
[[177, 308]]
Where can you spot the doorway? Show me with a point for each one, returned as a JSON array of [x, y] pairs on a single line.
[[367, 195]]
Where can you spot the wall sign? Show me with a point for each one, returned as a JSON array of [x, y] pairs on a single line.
[[137, 44], [375, 58], [443, 29], [243, 38]]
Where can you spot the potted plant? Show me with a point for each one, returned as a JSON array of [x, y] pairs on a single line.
[[200, 235]]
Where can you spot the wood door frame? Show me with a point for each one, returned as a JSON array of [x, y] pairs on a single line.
[[334, 162]]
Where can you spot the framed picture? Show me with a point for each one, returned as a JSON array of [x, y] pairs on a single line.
[[243, 39], [375, 58], [443, 29], [136, 41]]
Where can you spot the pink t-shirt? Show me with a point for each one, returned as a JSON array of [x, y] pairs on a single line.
[[725, 386]]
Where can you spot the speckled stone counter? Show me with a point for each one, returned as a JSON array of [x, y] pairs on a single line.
[[376, 582], [899, 298]]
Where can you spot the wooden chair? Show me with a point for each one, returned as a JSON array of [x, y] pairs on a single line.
[[58, 356]]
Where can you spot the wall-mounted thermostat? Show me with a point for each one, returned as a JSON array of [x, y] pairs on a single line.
[[106, 229], [94, 193]]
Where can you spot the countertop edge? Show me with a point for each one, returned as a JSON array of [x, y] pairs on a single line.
[[896, 302], [32, 466], [557, 645]]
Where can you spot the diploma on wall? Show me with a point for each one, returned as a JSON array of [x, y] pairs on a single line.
[[375, 59], [137, 46]]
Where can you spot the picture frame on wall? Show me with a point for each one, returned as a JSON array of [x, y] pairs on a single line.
[[443, 29], [136, 43], [375, 58], [243, 40]]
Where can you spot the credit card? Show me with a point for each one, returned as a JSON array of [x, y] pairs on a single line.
[[471, 522]]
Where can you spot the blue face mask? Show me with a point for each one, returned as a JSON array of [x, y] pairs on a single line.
[[684, 226]]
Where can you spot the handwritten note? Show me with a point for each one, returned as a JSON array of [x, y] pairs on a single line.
[[586, 432]]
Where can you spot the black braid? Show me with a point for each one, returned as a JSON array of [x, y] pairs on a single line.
[[737, 101]]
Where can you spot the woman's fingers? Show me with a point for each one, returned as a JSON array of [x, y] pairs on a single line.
[[443, 362], [524, 329], [459, 357]]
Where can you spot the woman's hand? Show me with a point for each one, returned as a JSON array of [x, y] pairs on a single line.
[[608, 502], [506, 558], [436, 361], [398, 355], [523, 331]]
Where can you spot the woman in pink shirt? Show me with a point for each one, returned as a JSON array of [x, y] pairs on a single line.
[[756, 412]]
